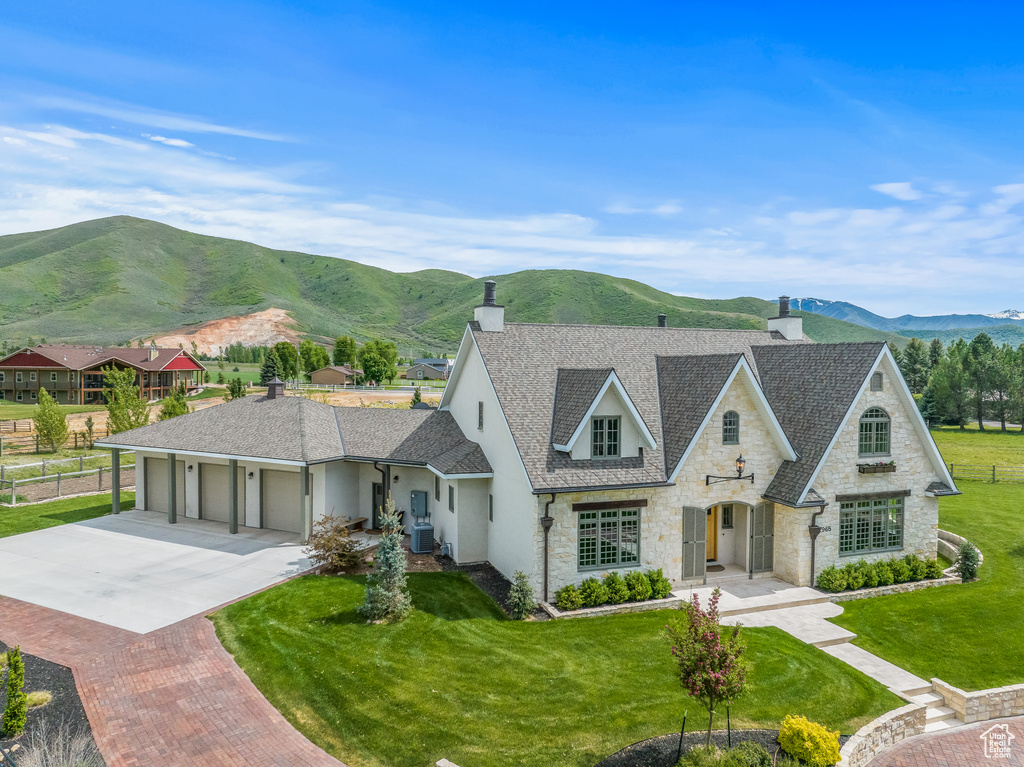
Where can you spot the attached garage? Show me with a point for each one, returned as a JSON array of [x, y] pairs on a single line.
[[156, 485], [215, 492], [282, 502]]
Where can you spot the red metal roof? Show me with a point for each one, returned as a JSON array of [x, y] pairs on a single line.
[[182, 362]]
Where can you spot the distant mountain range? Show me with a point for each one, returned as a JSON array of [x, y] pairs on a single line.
[[121, 279]]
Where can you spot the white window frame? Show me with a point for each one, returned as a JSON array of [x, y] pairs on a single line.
[[53, 376], [19, 376], [31, 376], [19, 397]]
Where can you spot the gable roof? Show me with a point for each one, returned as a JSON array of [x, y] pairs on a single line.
[[80, 357], [811, 388], [578, 392], [523, 363]]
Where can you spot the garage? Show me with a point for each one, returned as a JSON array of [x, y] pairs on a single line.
[[156, 485], [282, 507], [215, 492]]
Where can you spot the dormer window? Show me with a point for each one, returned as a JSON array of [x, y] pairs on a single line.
[[605, 438], [731, 428], [876, 381]]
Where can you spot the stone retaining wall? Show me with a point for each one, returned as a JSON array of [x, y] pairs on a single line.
[[669, 603], [896, 588], [983, 705], [949, 546], [885, 731]]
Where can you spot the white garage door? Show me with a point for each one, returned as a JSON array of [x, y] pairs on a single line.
[[215, 493], [156, 485], [281, 501]]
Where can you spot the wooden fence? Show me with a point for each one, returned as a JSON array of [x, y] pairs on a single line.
[[16, 426], [49, 486], [987, 473], [29, 442]]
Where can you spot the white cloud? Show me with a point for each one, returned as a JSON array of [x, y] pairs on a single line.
[[667, 208], [902, 190], [169, 141]]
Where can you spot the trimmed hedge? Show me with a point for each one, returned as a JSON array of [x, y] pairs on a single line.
[[614, 589], [885, 572]]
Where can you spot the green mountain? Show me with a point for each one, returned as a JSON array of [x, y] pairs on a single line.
[[1000, 334], [115, 279]]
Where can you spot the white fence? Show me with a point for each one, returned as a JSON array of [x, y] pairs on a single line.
[[424, 388]]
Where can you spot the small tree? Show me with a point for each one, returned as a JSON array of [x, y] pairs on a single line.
[[175, 405], [966, 562], [90, 428], [51, 423], [709, 667], [271, 368], [417, 397], [125, 408], [17, 702], [236, 389], [387, 597], [332, 547], [289, 360], [521, 601]]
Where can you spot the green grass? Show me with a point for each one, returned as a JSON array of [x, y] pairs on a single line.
[[967, 635], [991, 447], [102, 281], [25, 519], [457, 680], [13, 411]]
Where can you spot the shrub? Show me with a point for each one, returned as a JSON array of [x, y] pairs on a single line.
[[521, 601], [13, 722], [234, 369], [38, 698], [568, 598], [870, 574], [832, 579], [332, 547], [593, 593], [854, 576], [967, 562], [50, 746], [934, 568], [748, 754], [900, 571], [618, 591], [918, 569], [813, 743], [884, 571], [639, 586], [702, 756], [661, 586]]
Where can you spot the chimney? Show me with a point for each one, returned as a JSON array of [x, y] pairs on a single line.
[[152, 351], [275, 388], [662, 320], [791, 328], [489, 314]]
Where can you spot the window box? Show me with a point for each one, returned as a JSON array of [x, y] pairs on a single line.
[[876, 468]]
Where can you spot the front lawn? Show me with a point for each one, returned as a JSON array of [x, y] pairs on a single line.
[[25, 519], [457, 680], [969, 635]]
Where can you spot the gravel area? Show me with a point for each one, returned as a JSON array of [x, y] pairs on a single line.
[[66, 707], [661, 751]]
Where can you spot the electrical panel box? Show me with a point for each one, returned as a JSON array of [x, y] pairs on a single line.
[[418, 503]]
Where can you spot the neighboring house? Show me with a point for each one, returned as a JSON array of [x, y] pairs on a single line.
[[337, 375], [73, 374], [421, 372], [440, 365], [570, 451]]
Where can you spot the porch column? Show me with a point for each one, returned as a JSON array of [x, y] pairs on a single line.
[[172, 488], [307, 509], [115, 473], [233, 490]]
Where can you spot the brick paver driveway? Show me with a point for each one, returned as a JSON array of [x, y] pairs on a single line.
[[962, 747]]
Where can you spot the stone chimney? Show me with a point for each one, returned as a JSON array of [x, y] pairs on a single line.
[[275, 388], [662, 320], [791, 328], [489, 314]]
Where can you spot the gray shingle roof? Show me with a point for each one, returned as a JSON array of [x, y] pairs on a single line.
[[687, 387], [299, 429], [575, 391], [523, 362], [810, 387]]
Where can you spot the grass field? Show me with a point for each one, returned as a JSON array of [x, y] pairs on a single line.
[[25, 519], [458, 680], [14, 411], [981, 448]]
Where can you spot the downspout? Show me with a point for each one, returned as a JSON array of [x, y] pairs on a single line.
[[385, 482], [546, 521], [815, 531]]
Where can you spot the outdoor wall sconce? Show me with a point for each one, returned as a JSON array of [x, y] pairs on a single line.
[[190, 467], [740, 465], [395, 479], [251, 475]]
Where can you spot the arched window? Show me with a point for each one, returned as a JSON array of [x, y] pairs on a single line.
[[874, 433], [731, 428], [876, 381]]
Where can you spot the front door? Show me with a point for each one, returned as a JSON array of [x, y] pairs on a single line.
[[712, 534], [378, 504]]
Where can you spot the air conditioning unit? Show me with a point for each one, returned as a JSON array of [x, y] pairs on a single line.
[[422, 533]]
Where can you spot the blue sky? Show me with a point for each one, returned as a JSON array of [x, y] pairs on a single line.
[[861, 153]]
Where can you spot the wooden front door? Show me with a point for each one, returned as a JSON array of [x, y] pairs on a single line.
[[712, 534]]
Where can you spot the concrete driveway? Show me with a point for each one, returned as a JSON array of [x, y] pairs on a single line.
[[136, 572]]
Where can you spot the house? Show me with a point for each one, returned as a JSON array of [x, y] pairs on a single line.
[[337, 375], [73, 374], [422, 372], [441, 365], [567, 451]]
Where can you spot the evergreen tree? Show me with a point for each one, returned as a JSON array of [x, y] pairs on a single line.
[[236, 389], [935, 353], [915, 365], [387, 595], [416, 397], [952, 386], [125, 408], [928, 406], [896, 354], [176, 404], [50, 422], [16, 710], [982, 368], [271, 368]]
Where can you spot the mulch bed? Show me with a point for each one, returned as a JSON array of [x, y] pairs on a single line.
[[662, 751], [66, 707]]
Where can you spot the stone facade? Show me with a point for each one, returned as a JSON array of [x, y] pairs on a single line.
[[888, 730], [983, 705]]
